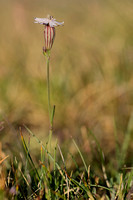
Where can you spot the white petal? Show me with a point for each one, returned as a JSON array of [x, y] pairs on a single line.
[[51, 22], [42, 20], [59, 23]]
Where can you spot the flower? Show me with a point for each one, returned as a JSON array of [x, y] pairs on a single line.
[[49, 31], [49, 21]]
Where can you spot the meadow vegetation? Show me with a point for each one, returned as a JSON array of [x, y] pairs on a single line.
[[91, 75]]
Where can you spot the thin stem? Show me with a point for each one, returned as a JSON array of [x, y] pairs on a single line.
[[49, 104], [48, 89], [51, 110]]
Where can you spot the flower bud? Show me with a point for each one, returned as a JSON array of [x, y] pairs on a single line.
[[49, 35]]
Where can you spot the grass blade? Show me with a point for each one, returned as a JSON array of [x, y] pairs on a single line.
[[80, 155], [28, 154]]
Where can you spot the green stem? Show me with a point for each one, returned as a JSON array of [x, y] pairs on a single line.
[[51, 112], [48, 89]]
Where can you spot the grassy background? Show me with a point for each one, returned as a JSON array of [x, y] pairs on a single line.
[[91, 76]]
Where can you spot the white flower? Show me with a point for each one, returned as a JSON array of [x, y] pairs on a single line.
[[49, 21], [49, 31]]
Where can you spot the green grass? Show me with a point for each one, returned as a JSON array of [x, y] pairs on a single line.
[[49, 178]]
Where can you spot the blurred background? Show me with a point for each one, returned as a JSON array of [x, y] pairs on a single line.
[[91, 74]]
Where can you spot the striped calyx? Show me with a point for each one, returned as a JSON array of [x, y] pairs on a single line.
[[49, 35]]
